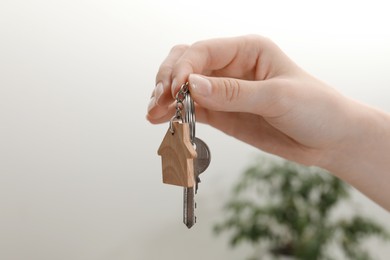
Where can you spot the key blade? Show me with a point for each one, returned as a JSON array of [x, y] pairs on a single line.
[[189, 218]]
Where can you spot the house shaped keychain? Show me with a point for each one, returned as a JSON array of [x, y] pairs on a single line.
[[177, 154]]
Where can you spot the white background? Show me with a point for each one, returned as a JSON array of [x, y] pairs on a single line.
[[79, 173]]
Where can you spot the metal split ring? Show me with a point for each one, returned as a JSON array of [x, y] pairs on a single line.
[[189, 114], [185, 110]]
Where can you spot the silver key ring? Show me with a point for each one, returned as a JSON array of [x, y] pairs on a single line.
[[189, 114], [185, 110]]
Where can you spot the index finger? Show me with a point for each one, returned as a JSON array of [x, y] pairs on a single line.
[[164, 75], [228, 57]]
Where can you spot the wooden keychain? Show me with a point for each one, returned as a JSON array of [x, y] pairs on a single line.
[[176, 150]]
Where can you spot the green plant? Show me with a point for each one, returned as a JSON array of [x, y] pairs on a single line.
[[287, 210]]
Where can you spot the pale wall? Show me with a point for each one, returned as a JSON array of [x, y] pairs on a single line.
[[79, 173]]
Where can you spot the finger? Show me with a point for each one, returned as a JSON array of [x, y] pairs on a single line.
[[251, 129], [235, 95], [231, 57], [164, 76], [158, 114]]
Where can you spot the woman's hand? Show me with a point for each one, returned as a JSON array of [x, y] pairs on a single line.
[[248, 88]]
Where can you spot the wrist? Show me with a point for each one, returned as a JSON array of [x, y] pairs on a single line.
[[362, 158], [362, 132]]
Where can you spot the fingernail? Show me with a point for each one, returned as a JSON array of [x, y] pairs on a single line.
[[158, 91], [200, 85], [152, 103]]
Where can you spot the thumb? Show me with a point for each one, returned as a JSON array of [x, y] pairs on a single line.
[[226, 94]]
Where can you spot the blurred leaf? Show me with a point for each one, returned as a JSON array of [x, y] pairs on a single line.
[[285, 208]]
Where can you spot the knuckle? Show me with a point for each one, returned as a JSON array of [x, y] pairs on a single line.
[[259, 41], [163, 72], [201, 48], [179, 48], [258, 38], [198, 45], [232, 89]]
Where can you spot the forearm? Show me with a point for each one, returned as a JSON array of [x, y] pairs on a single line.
[[363, 160]]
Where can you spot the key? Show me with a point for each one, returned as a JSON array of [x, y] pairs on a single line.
[[189, 205], [202, 161], [184, 156]]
